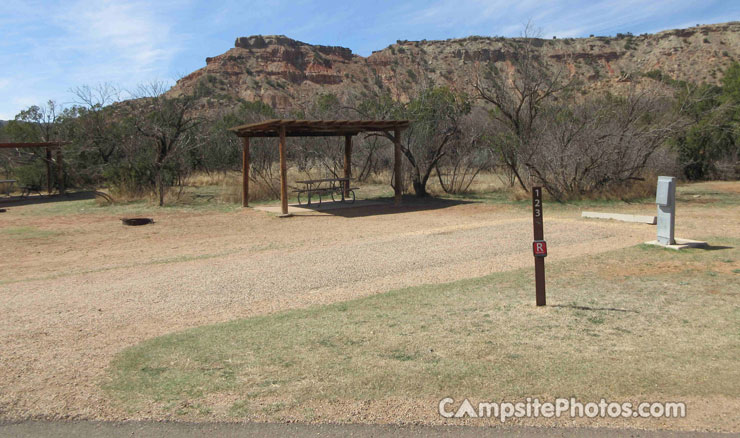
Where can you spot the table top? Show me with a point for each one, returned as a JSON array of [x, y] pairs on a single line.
[[7, 181], [313, 181]]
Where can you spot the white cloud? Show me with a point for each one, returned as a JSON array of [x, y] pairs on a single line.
[[117, 40], [453, 12], [52, 47]]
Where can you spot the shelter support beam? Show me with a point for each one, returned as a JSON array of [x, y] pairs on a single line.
[[397, 166], [60, 171], [283, 173], [245, 171], [347, 163], [48, 171]]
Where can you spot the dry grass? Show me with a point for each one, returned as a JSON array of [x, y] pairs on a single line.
[[630, 191], [229, 185], [639, 189], [227, 188], [231, 189], [604, 334], [203, 179], [485, 182]]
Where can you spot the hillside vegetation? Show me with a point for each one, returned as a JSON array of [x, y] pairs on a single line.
[[587, 117]]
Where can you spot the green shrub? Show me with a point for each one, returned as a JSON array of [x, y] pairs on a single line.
[[31, 175]]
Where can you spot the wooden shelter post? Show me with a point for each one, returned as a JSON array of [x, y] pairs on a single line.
[[397, 166], [283, 173], [245, 171], [347, 162], [48, 171], [60, 171]]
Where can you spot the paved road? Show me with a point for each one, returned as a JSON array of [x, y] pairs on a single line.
[[192, 430]]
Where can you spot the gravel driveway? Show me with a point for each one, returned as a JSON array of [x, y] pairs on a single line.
[[89, 287]]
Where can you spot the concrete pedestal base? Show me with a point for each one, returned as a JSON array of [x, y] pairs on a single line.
[[680, 244], [650, 220]]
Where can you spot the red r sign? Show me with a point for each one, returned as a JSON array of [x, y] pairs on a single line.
[[540, 248]]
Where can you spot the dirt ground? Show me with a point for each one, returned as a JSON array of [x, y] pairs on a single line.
[[76, 288]]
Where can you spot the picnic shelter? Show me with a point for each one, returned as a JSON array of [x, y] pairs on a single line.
[[281, 129]]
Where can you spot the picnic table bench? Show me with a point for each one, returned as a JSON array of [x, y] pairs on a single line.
[[335, 187]]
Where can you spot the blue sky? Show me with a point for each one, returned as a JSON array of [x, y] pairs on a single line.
[[49, 47]]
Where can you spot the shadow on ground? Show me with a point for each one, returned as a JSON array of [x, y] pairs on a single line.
[[383, 206], [17, 201], [612, 309], [714, 247]]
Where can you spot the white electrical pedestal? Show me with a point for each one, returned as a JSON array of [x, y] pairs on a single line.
[[665, 197]]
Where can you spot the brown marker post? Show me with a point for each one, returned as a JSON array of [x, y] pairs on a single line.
[[539, 245]]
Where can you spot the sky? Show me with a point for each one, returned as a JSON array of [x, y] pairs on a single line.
[[47, 48]]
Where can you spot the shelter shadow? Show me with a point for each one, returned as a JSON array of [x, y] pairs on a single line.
[[409, 204], [17, 201]]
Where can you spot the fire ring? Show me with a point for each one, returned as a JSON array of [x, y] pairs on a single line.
[[136, 221]]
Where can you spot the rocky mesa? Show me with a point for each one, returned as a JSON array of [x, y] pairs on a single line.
[[286, 73]]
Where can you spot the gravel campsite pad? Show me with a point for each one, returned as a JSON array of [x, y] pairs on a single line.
[[78, 287]]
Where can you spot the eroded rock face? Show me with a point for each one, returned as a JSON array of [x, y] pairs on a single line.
[[285, 73], [278, 58]]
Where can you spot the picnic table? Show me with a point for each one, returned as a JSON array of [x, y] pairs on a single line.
[[8, 183], [335, 187]]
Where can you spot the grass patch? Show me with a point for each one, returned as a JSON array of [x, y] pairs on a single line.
[[713, 194], [635, 322], [28, 233], [129, 208]]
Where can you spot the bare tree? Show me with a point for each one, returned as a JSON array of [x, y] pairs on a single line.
[[98, 133], [370, 156], [322, 154], [468, 155], [606, 141], [516, 98]]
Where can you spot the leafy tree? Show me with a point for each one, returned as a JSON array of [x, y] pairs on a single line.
[[731, 84], [93, 126], [166, 127], [34, 124], [712, 127], [437, 114]]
